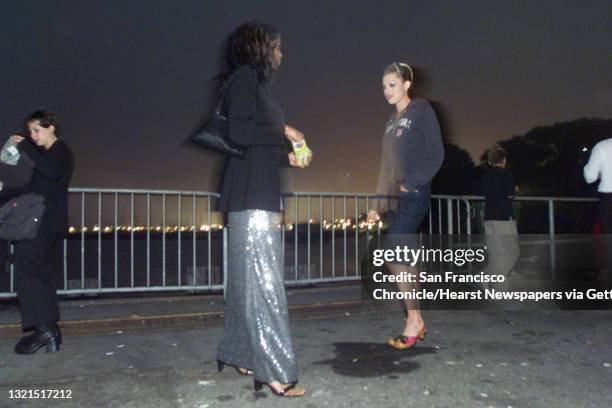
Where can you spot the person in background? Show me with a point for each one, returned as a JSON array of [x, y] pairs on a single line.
[[499, 189], [256, 337], [599, 167], [34, 259], [412, 154]]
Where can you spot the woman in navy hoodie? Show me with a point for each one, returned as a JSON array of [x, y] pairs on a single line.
[[412, 154]]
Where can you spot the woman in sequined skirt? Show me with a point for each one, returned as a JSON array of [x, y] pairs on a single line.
[[256, 338]]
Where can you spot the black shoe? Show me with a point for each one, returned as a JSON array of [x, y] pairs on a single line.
[[239, 370], [48, 336]]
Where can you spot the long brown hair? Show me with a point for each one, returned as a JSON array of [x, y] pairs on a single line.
[[252, 44]]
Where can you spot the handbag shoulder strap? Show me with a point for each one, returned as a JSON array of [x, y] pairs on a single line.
[[223, 91]]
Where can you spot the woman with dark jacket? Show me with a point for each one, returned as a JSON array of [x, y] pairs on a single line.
[[412, 154], [256, 338], [34, 259]]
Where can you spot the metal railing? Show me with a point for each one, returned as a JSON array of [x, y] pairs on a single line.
[[330, 228], [138, 240], [551, 203], [167, 240]]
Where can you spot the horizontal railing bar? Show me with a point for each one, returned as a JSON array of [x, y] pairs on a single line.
[[321, 280], [326, 194], [126, 290], [319, 194], [438, 196], [142, 191], [535, 198]]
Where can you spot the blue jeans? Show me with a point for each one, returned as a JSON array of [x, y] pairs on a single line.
[[406, 220], [412, 208]]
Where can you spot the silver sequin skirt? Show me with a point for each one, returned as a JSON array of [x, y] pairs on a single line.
[[256, 334]]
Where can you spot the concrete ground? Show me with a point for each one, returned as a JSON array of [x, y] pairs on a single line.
[[492, 358]]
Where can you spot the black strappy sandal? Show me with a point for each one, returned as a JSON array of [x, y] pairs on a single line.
[[282, 393], [240, 370]]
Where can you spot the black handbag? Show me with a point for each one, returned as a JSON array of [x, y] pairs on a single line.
[[21, 216], [215, 132]]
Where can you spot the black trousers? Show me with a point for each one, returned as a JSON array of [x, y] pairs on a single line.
[[34, 280]]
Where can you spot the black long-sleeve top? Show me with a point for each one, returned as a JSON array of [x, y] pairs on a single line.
[[497, 185], [50, 178], [256, 121]]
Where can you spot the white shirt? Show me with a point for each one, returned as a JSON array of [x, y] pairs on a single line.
[[600, 166]]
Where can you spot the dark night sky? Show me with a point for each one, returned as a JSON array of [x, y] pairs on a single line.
[[129, 80]]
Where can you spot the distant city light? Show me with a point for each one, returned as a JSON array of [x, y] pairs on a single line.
[[143, 228], [360, 224]]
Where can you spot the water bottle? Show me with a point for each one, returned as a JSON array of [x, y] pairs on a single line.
[[9, 153]]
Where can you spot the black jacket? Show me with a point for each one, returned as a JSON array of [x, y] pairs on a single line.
[[50, 178], [256, 121], [497, 185]]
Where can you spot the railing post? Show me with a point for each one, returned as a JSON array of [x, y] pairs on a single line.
[[163, 239], [195, 237], [99, 240], [83, 240], [132, 242], [148, 239], [449, 214], [439, 216], [468, 227], [116, 241], [178, 240], [333, 237], [12, 269], [308, 240], [344, 231], [468, 211], [321, 218], [551, 235], [65, 263], [224, 260], [296, 238]]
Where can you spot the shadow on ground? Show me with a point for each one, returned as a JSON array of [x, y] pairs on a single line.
[[365, 360]]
